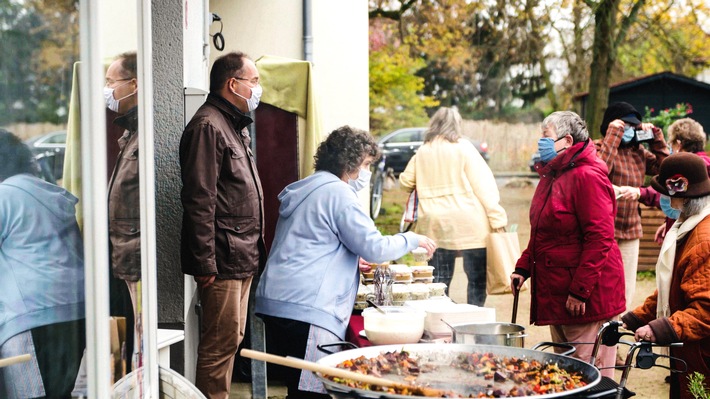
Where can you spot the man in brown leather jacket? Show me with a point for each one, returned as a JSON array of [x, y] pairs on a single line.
[[121, 97], [222, 243]]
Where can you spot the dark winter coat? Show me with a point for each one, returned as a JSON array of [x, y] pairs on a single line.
[[124, 203], [572, 250]]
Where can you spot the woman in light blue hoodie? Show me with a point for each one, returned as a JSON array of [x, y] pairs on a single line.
[[41, 279], [307, 291]]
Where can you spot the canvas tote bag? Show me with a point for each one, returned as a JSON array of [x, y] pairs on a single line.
[[502, 252]]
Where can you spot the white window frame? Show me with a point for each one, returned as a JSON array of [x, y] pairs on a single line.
[[94, 196]]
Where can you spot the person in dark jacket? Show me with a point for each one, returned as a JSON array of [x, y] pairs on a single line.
[[684, 135], [222, 242], [679, 309], [572, 258], [628, 162], [121, 97]]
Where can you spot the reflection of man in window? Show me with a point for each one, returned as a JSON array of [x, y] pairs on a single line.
[[41, 279], [123, 191]]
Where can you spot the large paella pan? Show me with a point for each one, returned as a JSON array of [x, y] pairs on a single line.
[[438, 367]]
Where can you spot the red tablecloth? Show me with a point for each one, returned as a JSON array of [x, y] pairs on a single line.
[[353, 332]]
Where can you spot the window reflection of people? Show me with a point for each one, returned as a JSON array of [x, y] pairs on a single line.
[[307, 291], [572, 258], [42, 283], [123, 188], [679, 310], [459, 203], [222, 242]]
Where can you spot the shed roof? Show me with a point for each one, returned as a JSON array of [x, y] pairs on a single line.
[[648, 79]]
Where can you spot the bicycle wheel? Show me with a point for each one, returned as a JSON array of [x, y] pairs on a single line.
[[376, 195]]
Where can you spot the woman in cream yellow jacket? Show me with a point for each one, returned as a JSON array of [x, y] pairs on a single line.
[[458, 201]]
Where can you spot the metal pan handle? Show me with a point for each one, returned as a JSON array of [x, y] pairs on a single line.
[[544, 345], [348, 345]]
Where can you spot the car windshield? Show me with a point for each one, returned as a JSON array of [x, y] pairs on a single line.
[[406, 136]]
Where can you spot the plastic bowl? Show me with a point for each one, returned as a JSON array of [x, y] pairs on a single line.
[[400, 325]]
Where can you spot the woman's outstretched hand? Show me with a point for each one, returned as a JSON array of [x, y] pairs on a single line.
[[428, 244]]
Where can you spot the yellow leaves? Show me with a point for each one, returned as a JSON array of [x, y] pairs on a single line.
[[668, 36]]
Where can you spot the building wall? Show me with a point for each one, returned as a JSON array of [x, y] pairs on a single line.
[[265, 27], [340, 47], [119, 29], [340, 57], [196, 47], [168, 122]]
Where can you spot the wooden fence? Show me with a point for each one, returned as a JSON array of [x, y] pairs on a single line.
[[651, 218], [510, 145], [28, 130]]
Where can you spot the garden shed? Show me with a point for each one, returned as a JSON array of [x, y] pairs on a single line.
[[658, 91]]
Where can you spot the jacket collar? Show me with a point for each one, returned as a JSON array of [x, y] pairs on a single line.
[[129, 120], [240, 119], [571, 157]]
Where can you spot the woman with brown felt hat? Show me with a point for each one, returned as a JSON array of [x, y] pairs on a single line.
[[679, 310]]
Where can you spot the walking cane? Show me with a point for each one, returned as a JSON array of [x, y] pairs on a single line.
[[516, 295]]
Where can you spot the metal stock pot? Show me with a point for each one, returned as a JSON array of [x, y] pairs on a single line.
[[505, 334], [448, 378]]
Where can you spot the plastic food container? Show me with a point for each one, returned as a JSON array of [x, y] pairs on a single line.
[[400, 293], [402, 273], [452, 313], [418, 291], [399, 325], [420, 256], [419, 272], [362, 292], [436, 289]]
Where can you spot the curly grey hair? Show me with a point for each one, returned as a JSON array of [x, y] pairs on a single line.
[[567, 123]]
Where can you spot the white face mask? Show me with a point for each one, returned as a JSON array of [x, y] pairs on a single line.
[[111, 102], [363, 179], [253, 101]]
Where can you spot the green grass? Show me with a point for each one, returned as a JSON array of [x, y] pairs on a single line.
[[646, 275]]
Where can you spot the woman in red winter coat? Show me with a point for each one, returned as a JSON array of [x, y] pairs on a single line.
[[679, 310], [572, 258]]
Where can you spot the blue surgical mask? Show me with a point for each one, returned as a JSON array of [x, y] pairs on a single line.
[[546, 148], [629, 133], [363, 179], [667, 209]]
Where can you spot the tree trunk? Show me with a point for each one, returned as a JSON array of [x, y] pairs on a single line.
[[603, 57]]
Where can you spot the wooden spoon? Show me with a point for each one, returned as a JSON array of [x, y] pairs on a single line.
[[8, 361], [336, 372]]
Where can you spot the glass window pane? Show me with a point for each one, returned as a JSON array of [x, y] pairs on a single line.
[[42, 310]]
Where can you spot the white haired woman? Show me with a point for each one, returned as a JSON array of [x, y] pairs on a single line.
[[458, 201], [572, 258], [679, 310]]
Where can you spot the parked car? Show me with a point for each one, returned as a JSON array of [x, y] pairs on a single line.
[[399, 146], [49, 149]]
